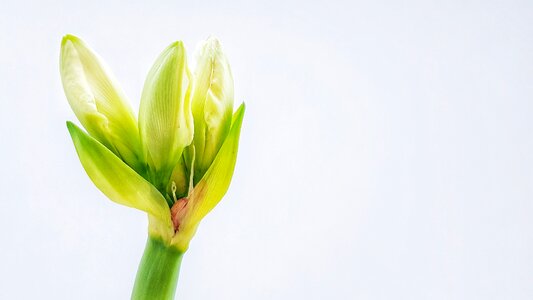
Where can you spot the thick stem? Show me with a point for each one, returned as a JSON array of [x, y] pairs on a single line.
[[158, 272]]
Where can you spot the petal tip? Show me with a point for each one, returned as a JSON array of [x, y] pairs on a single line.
[[174, 50], [176, 46], [211, 46], [213, 41], [69, 38]]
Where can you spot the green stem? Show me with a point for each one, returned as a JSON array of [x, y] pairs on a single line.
[[158, 272]]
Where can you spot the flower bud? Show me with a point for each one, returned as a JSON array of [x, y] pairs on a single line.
[[212, 104], [165, 118], [98, 101]]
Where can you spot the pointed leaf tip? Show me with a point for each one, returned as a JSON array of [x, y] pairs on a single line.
[[70, 126]]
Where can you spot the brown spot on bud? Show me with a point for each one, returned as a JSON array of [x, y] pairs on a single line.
[[177, 212]]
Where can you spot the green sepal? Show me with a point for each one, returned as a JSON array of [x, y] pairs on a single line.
[[213, 186], [119, 182]]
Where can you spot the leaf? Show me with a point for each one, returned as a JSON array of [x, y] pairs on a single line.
[[115, 179]]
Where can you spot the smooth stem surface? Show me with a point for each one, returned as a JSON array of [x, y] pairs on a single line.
[[158, 272]]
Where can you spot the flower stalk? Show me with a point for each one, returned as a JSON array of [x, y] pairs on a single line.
[[158, 272], [175, 162]]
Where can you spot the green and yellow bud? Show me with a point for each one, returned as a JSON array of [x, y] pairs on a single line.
[[165, 117], [176, 164], [98, 101], [212, 104]]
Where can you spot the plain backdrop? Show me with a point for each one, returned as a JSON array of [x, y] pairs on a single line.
[[386, 151]]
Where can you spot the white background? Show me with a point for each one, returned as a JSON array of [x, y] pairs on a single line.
[[386, 151]]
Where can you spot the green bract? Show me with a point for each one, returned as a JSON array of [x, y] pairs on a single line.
[[177, 161]]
